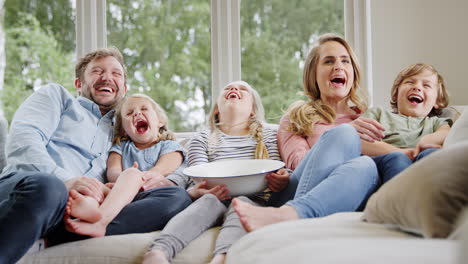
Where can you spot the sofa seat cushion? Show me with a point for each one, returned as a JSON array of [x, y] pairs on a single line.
[[120, 249], [338, 238]]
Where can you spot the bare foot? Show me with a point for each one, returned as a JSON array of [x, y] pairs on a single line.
[[218, 259], [155, 256], [97, 229], [83, 207], [254, 217]]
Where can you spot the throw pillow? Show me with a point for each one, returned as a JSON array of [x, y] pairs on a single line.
[[459, 130], [427, 197]]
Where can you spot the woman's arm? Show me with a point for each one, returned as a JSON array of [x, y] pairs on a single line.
[[114, 166], [292, 147]]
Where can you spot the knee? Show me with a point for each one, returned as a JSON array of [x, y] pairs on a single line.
[[368, 169], [46, 190], [343, 131], [210, 200], [343, 134], [180, 195]]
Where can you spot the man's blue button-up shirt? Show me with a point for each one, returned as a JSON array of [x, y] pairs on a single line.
[[56, 133]]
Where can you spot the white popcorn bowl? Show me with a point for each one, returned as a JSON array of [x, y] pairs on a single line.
[[241, 177]]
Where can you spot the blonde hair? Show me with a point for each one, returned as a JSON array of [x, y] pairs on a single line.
[[255, 121], [415, 69], [119, 132], [303, 115]]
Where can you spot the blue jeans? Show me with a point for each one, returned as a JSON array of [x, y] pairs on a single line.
[[389, 165], [32, 206], [333, 176]]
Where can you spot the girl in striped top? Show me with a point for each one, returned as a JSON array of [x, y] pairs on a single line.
[[236, 131]]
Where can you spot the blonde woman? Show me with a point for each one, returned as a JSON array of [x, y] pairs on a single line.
[[236, 132], [330, 175]]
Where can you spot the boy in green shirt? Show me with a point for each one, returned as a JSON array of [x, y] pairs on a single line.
[[412, 130]]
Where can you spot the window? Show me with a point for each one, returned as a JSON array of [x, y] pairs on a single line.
[[168, 48], [39, 47], [166, 45], [276, 36]]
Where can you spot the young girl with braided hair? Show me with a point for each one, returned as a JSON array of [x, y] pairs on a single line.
[[236, 131]]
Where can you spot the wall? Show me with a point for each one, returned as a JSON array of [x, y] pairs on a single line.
[[409, 31]]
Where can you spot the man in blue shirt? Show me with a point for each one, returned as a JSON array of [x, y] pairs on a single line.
[[57, 143]]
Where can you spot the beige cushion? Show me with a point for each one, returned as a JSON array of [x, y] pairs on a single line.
[[121, 249], [337, 239], [427, 197], [459, 130]]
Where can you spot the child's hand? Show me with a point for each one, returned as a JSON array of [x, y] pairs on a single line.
[[155, 179], [423, 146], [220, 191], [278, 180], [410, 152], [368, 129]]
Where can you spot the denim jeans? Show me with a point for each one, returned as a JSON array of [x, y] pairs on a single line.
[[332, 177], [31, 204], [389, 165]]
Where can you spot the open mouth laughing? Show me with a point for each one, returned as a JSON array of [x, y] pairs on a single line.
[[338, 80], [415, 99], [105, 87], [233, 95], [141, 126]]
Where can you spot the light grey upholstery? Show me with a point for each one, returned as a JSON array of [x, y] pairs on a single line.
[[3, 136]]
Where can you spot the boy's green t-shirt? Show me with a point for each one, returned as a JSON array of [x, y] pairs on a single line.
[[405, 131]]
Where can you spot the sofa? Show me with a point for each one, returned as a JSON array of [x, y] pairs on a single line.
[[351, 237]]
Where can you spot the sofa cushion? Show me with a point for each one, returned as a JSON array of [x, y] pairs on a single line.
[[338, 238], [459, 130], [120, 249], [427, 197]]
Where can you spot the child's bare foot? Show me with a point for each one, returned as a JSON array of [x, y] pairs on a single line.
[[155, 256], [97, 229], [218, 259], [254, 217], [83, 207]]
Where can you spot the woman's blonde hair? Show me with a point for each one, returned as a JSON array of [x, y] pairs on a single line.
[[255, 121], [303, 115], [415, 69], [119, 132]]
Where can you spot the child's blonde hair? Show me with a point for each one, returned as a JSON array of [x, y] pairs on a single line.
[[415, 69], [303, 115], [119, 132], [256, 121]]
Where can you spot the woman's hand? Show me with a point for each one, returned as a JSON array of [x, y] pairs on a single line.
[[220, 191], [278, 180], [368, 129]]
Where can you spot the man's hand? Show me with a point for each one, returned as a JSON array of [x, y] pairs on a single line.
[[87, 186], [220, 191], [154, 179], [368, 129], [278, 180]]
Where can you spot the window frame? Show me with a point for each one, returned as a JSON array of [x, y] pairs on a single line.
[[91, 34]]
